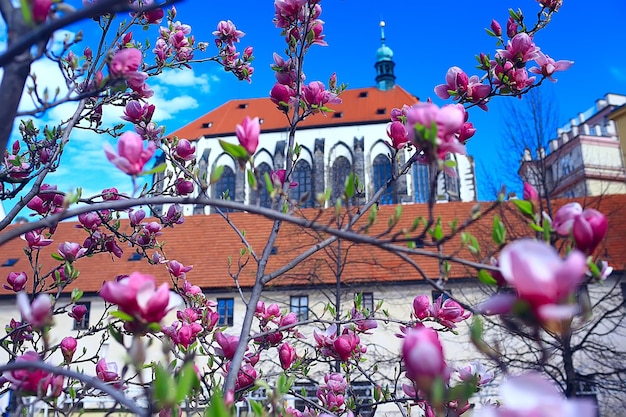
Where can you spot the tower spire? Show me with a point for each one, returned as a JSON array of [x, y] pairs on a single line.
[[385, 78]]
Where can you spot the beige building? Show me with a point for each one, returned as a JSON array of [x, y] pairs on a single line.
[[307, 290], [585, 159]]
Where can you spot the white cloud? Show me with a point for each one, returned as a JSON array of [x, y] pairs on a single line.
[[187, 78]]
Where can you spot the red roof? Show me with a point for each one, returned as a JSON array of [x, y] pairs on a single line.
[[206, 242], [359, 106]]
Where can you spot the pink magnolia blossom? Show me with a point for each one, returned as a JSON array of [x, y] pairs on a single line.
[[246, 377], [183, 186], [532, 395], [423, 357], [70, 251], [68, 348], [227, 32], [496, 28], [282, 95], [125, 62], [138, 296], [551, 4], [279, 177], [589, 229], [40, 10], [107, 372], [530, 193], [540, 277], [227, 345], [448, 312], [39, 312], [16, 281], [36, 240], [448, 121], [286, 355], [548, 66], [398, 134], [475, 371], [78, 312], [519, 50], [177, 269], [184, 150], [315, 96], [136, 112], [131, 155], [136, 217], [458, 85], [421, 307], [511, 27], [248, 134], [564, 218], [34, 381]]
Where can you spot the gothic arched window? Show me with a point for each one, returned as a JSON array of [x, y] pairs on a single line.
[[225, 186], [265, 197], [303, 176], [382, 173], [341, 169], [421, 180]]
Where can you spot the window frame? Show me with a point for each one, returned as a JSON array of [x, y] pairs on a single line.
[[301, 310], [226, 319]]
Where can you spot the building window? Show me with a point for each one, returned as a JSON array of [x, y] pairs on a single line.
[[299, 304], [226, 310], [225, 187], [452, 179], [303, 176], [421, 179], [382, 173], [586, 388], [367, 301], [340, 171], [83, 324], [306, 395], [363, 394], [262, 195], [436, 294]]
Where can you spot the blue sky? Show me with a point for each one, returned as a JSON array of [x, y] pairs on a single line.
[[426, 37]]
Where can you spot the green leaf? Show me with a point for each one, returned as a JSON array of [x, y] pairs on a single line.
[[26, 12], [157, 169], [257, 407], [546, 229], [164, 387], [499, 231], [525, 207], [236, 151], [187, 380], [116, 335], [269, 184], [76, 295], [57, 257], [476, 329], [437, 232], [486, 278], [216, 174], [121, 315], [251, 179], [536, 227], [349, 187]]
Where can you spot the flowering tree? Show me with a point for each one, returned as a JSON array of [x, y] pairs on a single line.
[[204, 368]]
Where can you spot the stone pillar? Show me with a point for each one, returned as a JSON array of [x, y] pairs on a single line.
[[358, 166], [279, 155], [158, 183], [203, 171], [317, 170]]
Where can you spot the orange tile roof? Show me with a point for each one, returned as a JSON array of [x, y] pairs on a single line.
[[206, 242], [359, 106]]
